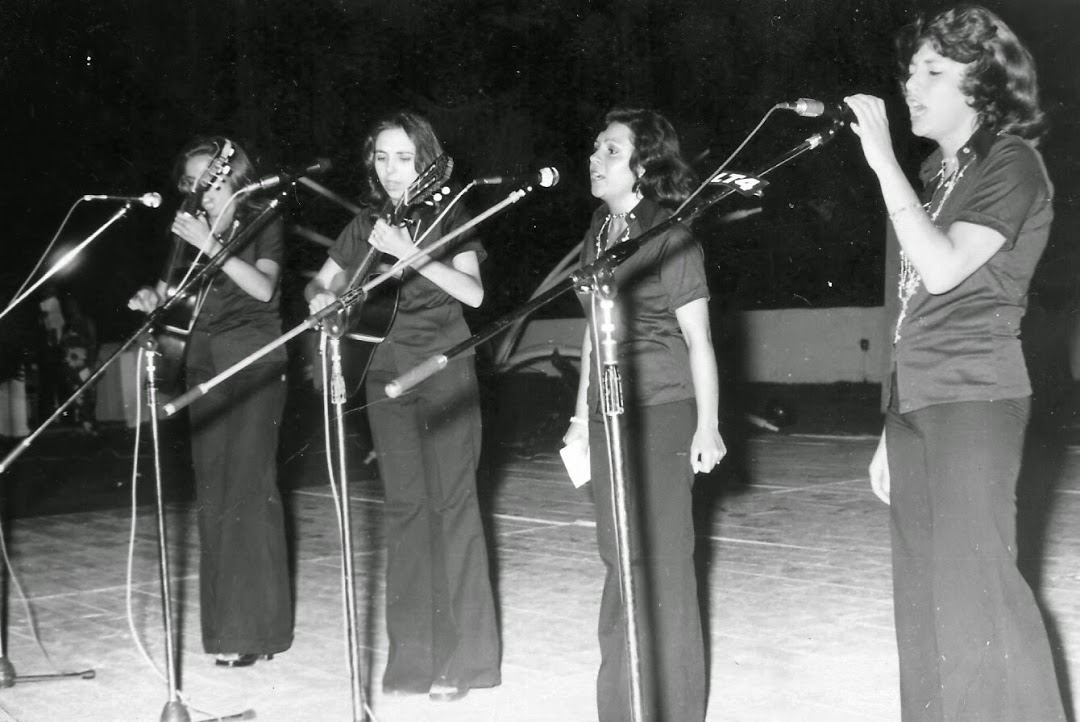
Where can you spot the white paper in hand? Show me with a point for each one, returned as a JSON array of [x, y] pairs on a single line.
[[576, 459]]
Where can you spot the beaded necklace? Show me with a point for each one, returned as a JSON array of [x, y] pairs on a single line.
[[601, 236], [909, 277]]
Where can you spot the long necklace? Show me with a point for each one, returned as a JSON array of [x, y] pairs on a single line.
[[909, 277]]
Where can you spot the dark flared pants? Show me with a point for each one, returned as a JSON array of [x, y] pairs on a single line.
[[972, 643], [244, 590], [660, 480], [440, 611]]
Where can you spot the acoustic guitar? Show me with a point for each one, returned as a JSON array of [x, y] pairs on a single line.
[[368, 321], [174, 327]]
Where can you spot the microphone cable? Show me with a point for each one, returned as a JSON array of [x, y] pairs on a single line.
[[728, 160]]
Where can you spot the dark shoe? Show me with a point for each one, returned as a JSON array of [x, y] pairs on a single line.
[[443, 690], [240, 660]]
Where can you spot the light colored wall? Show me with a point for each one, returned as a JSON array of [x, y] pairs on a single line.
[[800, 346], [781, 346]]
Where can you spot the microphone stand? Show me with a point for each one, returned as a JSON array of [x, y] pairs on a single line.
[[335, 329], [174, 710], [603, 292], [338, 398], [8, 676], [597, 279], [68, 257]]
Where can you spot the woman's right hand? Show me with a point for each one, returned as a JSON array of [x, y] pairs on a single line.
[[321, 300], [873, 131], [146, 300]]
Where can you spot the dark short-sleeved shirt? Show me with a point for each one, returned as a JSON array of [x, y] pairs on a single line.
[[665, 274], [964, 344], [232, 324], [428, 320]]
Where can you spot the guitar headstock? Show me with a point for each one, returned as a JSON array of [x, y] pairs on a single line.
[[217, 169], [426, 185]]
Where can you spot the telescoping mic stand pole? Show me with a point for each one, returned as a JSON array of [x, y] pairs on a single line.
[[336, 386], [602, 289]]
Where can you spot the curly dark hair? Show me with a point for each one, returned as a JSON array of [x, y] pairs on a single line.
[[420, 132], [665, 177], [1001, 81]]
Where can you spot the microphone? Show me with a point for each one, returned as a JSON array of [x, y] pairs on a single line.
[[545, 178], [150, 200], [321, 165], [810, 108]]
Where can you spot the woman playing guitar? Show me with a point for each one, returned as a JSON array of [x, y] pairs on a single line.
[[245, 596], [440, 612]]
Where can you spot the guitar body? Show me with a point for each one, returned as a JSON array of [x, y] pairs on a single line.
[[367, 324]]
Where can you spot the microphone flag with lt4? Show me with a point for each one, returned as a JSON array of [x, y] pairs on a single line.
[[150, 200], [321, 165], [544, 178], [810, 108]]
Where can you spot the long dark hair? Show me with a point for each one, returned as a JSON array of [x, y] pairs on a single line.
[[420, 132], [1001, 80], [665, 177], [242, 170]]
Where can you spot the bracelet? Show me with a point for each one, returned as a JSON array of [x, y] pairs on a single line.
[[901, 209], [578, 420]]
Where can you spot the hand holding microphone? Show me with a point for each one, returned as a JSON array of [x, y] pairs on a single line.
[[872, 127], [864, 114]]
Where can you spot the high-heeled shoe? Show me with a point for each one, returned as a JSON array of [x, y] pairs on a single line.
[[443, 690], [240, 660]]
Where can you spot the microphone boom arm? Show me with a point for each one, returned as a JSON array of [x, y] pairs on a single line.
[[65, 260], [343, 303], [583, 276]]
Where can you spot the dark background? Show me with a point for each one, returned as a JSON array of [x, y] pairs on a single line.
[[100, 96]]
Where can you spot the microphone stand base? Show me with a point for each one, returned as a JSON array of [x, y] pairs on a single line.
[[7, 673], [8, 678], [175, 711]]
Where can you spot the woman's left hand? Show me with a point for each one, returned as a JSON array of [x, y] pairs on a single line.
[[706, 450], [392, 240], [194, 230]]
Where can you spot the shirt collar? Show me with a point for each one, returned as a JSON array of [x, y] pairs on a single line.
[[976, 148], [641, 216]]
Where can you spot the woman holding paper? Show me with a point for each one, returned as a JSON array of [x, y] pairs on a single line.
[[670, 391]]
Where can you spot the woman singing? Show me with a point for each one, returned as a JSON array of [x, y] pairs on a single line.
[[244, 593], [972, 643], [440, 612], [671, 424]]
